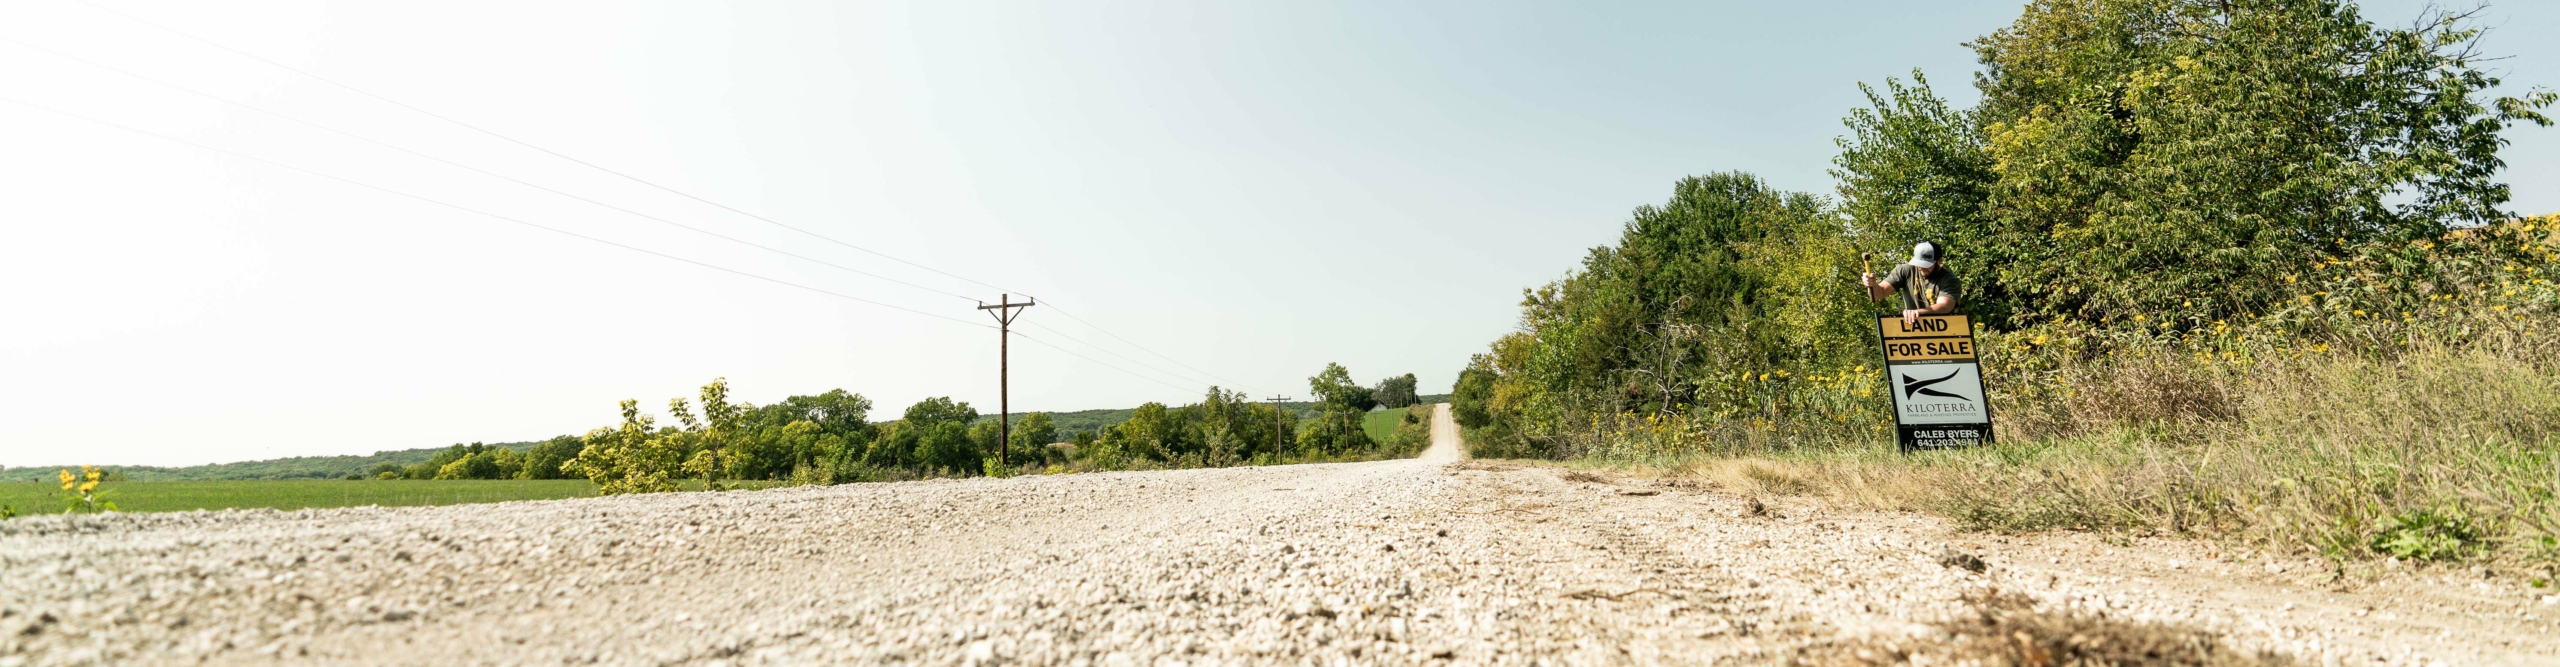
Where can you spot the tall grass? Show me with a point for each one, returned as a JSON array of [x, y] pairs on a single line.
[[2404, 405], [2437, 450]]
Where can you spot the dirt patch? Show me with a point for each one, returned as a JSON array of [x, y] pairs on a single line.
[[2008, 629], [1584, 476]]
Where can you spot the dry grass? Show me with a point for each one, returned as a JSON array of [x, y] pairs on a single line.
[[2435, 454], [2008, 630]]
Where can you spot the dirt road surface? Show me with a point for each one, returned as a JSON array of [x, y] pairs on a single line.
[[1399, 562]]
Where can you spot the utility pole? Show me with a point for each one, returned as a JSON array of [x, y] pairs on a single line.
[[1276, 445], [1004, 311]]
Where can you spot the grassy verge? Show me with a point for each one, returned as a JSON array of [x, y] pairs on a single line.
[[2434, 454]]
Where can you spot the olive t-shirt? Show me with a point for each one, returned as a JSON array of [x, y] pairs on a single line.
[[1919, 291]]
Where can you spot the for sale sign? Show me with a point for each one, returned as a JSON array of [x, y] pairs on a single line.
[[1936, 382]]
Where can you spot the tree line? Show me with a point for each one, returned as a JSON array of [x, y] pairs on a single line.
[[711, 441], [2224, 178]]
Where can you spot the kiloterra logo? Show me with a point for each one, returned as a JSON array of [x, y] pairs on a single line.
[[1911, 386]]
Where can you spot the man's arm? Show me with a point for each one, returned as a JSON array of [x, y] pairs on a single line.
[[1946, 304], [1876, 289]]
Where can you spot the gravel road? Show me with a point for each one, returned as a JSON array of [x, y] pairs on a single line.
[[1409, 561]]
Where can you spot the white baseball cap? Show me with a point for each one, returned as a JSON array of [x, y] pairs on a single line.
[[1924, 255]]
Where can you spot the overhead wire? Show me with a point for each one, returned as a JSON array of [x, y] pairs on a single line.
[[1142, 348], [635, 179], [529, 145], [1131, 373], [1108, 351], [467, 209], [563, 232], [484, 172]]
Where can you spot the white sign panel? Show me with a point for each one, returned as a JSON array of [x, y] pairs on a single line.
[[1948, 393]]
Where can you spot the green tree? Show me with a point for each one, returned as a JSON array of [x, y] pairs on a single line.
[[1915, 167], [709, 440], [2185, 159], [628, 459], [1032, 436], [837, 411], [1341, 405], [1152, 432], [481, 465], [1469, 400], [544, 460], [940, 409], [946, 446], [1395, 392], [895, 447]]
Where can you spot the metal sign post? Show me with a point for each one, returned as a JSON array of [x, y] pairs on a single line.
[[1935, 378]]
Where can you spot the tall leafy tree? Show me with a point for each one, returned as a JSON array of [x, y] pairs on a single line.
[[1395, 392], [628, 459], [1341, 404], [2184, 158]]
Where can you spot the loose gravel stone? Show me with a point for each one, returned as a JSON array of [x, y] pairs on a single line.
[[1397, 562]]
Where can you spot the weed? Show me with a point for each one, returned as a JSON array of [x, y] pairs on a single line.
[[2543, 552], [82, 493], [2428, 535]]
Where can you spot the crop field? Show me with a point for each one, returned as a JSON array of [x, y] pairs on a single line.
[[1381, 424], [42, 498]]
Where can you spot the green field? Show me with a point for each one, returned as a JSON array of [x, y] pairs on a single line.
[[1381, 424], [41, 498]]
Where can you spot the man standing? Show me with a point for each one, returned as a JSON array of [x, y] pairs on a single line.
[[1927, 287]]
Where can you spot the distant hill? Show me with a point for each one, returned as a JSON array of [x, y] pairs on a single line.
[[299, 467]]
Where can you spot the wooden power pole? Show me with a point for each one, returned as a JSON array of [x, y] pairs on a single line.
[[1277, 446], [1004, 311]]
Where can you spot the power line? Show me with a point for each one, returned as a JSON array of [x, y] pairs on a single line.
[[484, 172], [512, 140], [564, 232], [1141, 348], [1108, 351], [635, 179], [475, 211], [1131, 373]]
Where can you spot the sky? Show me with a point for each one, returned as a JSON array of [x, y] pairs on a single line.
[[1229, 194]]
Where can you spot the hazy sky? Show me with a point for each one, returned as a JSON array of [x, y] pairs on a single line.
[[1251, 189]]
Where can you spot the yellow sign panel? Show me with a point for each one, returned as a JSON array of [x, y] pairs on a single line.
[[1928, 326], [1928, 349]]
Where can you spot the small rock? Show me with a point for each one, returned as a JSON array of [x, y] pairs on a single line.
[[1950, 557]]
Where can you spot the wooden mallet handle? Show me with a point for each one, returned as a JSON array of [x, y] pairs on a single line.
[[1867, 263]]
